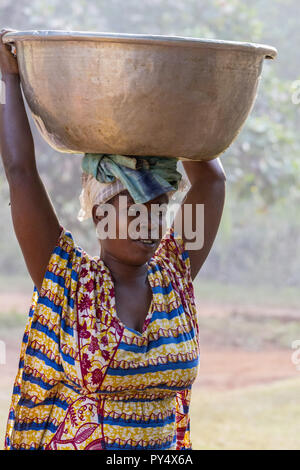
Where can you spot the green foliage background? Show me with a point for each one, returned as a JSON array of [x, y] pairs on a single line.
[[258, 242]]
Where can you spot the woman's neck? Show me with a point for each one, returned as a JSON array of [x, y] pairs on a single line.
[[124, 273]]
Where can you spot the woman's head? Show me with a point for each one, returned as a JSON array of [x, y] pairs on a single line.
[[130, 232], [110, 186]]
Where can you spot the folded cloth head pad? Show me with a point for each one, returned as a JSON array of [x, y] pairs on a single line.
[[93, 192], [105, 176]]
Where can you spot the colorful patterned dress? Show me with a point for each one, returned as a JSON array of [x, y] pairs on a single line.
[[85, 380]]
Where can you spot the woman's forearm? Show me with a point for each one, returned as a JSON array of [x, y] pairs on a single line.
[[211, 170], [16, 141], [207, 181]]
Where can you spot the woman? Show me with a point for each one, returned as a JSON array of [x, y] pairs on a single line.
[[111, 347]]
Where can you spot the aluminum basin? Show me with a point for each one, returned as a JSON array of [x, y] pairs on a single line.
[[132, 94]]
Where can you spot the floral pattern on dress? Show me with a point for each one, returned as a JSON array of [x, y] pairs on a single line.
[[85, 380]]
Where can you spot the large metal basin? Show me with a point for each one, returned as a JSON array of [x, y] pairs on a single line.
[[138, 95]]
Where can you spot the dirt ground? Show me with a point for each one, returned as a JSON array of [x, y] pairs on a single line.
[[234, 368]]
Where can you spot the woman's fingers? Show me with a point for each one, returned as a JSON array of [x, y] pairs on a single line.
[[8, 61]]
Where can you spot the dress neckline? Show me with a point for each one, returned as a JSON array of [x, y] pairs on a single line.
[[114, 306]]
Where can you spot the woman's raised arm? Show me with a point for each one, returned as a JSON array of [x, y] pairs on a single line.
[[35, 222], [207, 181]]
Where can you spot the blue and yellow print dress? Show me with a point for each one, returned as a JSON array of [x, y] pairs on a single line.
[[85, 380]]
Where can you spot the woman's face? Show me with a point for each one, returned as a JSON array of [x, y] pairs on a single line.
[[137, 231]]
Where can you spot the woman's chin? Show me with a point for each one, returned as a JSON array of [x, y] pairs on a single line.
[[140, 252]]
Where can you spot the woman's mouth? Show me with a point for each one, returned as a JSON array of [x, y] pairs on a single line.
[[146, 242]]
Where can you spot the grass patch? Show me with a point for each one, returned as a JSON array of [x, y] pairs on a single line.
[[11, 320], [248, 332], [5, 399], [16, 284], [264, 417], [260, 295]]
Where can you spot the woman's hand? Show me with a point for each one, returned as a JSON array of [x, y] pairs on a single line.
[[8, 62]]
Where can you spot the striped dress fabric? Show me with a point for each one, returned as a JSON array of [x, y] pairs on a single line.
[[85, 380]]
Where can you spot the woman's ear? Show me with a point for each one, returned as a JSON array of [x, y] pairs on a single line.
[[94, 214]]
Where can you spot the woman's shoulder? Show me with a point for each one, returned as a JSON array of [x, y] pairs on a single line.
[[68, 262], [67, 244]]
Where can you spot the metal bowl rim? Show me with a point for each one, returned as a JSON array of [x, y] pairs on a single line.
[[56, 35]]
